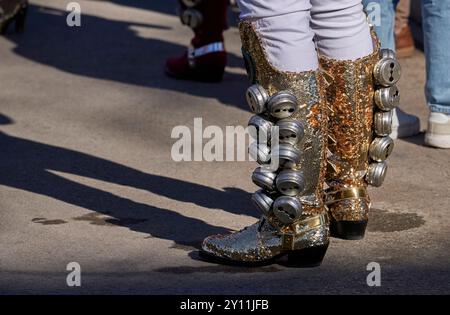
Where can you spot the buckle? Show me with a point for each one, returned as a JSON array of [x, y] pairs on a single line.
[[287, 241], [288, 238], [311, 223], [348, 193], [191, 57]]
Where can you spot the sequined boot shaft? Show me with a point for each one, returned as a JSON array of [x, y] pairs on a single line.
[[360, 98], [294, 221]]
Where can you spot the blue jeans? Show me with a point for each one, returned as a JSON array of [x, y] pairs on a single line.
[[381, 14], [436, 33]]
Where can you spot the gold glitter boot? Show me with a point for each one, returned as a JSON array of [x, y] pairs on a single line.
[[361, 97], [294, 221]]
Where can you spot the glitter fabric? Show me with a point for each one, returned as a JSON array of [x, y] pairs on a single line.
[[350, 100], [270, 238], [263, 242]]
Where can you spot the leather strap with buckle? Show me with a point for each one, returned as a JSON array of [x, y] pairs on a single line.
[[204, 50], [348, 193], [301, 227]]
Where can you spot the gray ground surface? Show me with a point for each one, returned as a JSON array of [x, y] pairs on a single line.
[[86, 174]]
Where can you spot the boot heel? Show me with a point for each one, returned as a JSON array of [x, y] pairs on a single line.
[[348, 230], [20, 19], [308, 257]]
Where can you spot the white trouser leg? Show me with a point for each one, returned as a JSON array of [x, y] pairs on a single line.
[[341, 29], [288, 29], [284, 27]]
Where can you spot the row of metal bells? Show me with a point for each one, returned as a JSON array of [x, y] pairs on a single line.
[[387, 73], [288, 182]]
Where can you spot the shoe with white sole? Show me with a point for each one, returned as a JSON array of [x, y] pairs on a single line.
[[438, 132], [404, 125]]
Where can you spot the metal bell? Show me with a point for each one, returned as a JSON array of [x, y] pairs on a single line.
[[376, 174], [191, 18], [259, 152], [383, 123], [256, 97], [262, 127], [290, 131], [387, 98], [287, 209], [381, 148], [264, 179], [282, 104], [288, 155], [388, 53], [290, 182], [191, 3], [387, 72], [262, 201]]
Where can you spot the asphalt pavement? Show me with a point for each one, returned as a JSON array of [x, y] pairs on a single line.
[[86, 175]]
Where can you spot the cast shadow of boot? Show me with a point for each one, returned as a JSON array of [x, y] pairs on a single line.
[[418, 139], [214, 268], [30, 166]]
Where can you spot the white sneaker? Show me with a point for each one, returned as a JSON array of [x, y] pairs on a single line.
[[404, 125], [438, 132]]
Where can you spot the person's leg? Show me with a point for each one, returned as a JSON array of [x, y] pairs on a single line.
[[403, 124], [205, 60], [286, 91], [338, 25], [436, 26], [404, 42], [381, 14], [283, 26], [350, 55], [402, 14]]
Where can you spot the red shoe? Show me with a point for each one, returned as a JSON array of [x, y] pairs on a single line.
[[206, 59]]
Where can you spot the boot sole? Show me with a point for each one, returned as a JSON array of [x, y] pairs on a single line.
[[304, 258], [348, 230]]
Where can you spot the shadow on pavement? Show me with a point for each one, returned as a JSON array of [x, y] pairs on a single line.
[[111, 50], [26, 165], [166, 7], [161, 6], [418, 139]]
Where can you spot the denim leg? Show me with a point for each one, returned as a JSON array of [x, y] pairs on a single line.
[[382, 16], [436, 31]]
